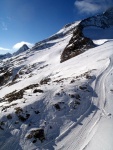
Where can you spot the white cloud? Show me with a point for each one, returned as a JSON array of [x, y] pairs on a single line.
[[4, 49], [20, 44], [91, 6]]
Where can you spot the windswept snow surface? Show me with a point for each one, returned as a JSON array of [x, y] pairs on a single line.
[[81, 86]]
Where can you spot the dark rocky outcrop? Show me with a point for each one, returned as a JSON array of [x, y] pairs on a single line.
[[9, 116], [37, 134], [38, 91], [45, 81], [4, 78], [18, 95], [79, 43], [22, 116]]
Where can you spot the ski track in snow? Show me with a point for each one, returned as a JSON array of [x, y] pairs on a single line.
[[78, 135]]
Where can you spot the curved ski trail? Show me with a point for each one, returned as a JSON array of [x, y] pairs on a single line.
[[79, 136]]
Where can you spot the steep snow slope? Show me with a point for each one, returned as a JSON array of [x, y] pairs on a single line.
[[45, 104]]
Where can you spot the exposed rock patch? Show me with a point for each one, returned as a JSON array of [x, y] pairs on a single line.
[[5, 77], [45, 81], [37, 134], [18, 95], [77, 45]]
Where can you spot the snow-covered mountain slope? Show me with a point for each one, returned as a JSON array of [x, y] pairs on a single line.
[[4, 56], [19, 51], [47, 105]]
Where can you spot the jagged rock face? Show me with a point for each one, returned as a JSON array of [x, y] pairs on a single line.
[[79, 43], [5, 77]]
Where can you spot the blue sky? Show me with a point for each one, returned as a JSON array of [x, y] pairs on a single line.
[[33, 20]]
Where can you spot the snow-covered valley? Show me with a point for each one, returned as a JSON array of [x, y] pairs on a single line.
[[47, 105]]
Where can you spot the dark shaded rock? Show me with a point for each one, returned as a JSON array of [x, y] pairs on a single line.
[[1, 128], [5, 77], [4, 108], [16, 77], [9, 116], [29, 136], [36, 112], [77, 45], [22, 118], [74, 104], [37, 134], [38, 90], [2, 123], [34, 141], [58, 94], [57, 106], [50, 127], [83, 87], [72, 96], [21, 115], [72, 81], [45, 81], [27, 116], [88, 76], [18, 95], [31, 86], [18, 110], [14, 96], [77, 96]]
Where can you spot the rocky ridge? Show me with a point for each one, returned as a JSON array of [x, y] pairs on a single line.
[[79, 43]]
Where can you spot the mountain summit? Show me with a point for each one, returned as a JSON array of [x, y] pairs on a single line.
[[58, 95], [21, 49]]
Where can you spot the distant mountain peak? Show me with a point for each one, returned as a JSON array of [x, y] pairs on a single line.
[[4, 56], [25, 45], [21, 49]]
